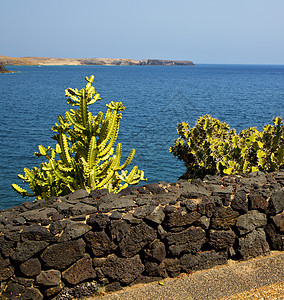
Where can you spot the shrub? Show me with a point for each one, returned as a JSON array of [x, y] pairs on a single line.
[[212, 148], [85, 146]]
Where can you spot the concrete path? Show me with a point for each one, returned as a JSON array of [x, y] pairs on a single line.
[[259, 278]]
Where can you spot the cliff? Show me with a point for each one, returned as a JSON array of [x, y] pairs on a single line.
[[3, 69], [90, 61]]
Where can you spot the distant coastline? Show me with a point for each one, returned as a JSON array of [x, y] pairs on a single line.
[[48, 61]]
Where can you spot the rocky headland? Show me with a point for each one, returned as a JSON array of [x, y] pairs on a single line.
[[3, 69], [44, 61]]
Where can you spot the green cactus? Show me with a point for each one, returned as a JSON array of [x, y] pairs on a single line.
[[85, 146], [212, 148]]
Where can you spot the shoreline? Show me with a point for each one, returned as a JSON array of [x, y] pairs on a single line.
[[46, 61]]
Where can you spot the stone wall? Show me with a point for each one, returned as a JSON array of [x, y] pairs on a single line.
[[68, 247]]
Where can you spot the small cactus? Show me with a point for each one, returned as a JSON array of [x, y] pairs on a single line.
[[212, 148]]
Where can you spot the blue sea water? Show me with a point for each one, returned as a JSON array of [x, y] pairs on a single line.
[[156, 98]]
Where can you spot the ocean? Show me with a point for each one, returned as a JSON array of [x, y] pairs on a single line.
[[156, 98]]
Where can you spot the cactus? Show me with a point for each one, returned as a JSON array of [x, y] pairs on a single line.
[[85, 146], [212, 148]]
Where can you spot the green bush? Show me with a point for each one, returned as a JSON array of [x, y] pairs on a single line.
[[212, 148], [85, 146]]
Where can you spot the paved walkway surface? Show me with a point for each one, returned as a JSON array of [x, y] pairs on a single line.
[[259, 278]]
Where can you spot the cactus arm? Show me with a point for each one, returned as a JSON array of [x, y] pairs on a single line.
[[105, 180], [103, 168], [107, 156], [109, 124], [92, 152], [118, 155], [134, 176], [111, 137], [92, 161], [73, 122], [21, 191], [128, 160], [130, 177], [63, 143], [73, 96], [95, 99], [84, 109]]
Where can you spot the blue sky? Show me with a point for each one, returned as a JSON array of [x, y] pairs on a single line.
[[205, 31]]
